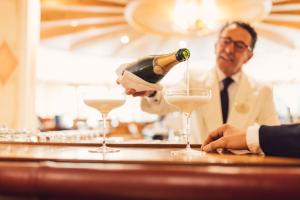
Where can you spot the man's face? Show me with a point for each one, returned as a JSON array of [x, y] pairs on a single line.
[[233, 49]]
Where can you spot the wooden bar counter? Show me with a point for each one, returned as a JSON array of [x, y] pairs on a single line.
[[141, 171]]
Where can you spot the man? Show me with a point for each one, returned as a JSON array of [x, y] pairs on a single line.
[[283, 140], [236, 98]]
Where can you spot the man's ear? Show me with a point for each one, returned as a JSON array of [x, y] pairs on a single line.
[[249, 56]]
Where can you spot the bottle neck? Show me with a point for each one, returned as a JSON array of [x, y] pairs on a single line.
[[162, 64]]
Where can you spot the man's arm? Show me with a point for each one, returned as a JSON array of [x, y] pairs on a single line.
[[281, 140], [157, 104], [152, 101]]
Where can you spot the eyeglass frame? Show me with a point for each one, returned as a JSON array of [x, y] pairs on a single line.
[[229, 40]]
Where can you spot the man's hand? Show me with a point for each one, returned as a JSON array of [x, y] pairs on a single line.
[[227, 137], [132, 92]]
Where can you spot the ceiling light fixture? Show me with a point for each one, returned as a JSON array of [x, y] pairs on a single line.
[[124, 39], [192, 17]]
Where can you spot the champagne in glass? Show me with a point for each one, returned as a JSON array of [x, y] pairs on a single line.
[[188, 100], [104, 103]]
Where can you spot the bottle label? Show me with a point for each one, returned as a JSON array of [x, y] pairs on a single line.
[[158, 70]]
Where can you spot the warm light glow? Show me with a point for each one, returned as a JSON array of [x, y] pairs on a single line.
[[187, 14], [182, 44], [124, 39], [51, 3], [210, 13], [194, 15], [74, 23]]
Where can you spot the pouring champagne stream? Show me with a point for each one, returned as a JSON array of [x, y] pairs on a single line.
[[187, 100]]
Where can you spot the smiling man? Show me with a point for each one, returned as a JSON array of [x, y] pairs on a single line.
[[234, 48], [237, 99]]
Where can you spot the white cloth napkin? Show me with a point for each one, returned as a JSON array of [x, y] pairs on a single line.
[[130, 81], [236, 152]]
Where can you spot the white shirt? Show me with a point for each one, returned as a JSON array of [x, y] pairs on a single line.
[[252, 139]]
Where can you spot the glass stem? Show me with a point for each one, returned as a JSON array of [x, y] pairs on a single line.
[[188, 130], [104, 118]]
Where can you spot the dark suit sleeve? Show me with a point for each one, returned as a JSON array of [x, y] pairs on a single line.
[[283, 140]]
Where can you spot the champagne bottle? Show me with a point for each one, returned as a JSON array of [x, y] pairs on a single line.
[[153, 68]]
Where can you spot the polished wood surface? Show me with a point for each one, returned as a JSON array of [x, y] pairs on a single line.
[[131, 153], [141, 171], [57, 180]]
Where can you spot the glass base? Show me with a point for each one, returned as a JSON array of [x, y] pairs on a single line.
[[188, 152], [104, 149]]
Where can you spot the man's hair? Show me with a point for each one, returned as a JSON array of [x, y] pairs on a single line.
[[246, 27]]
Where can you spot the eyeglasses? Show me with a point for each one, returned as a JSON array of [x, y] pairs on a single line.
[[238, 45]]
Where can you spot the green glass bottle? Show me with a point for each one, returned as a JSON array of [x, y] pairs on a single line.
[[153, 68]]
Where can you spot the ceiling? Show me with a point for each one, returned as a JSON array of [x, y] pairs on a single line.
[[131, 28]]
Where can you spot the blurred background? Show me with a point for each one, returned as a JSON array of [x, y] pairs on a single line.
[[53, 50]]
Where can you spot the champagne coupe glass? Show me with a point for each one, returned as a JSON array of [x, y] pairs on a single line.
[[187, 100], [105, 100]]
